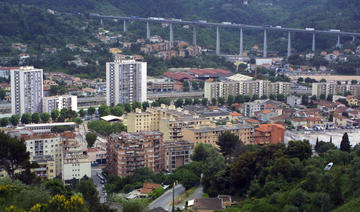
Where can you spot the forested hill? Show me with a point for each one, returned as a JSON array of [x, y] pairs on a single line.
[[35, 26], [321, 14]]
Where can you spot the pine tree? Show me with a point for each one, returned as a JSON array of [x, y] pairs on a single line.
[[345, 143], [330, 139], [317, 144]]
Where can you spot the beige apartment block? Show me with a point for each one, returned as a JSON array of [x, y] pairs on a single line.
[[167, 119], [210, 134]]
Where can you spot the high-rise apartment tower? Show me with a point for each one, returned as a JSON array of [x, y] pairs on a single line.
[[125, 81]]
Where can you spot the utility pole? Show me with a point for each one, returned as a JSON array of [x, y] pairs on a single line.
[[173, 205]]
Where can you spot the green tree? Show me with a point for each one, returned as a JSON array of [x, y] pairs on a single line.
[[187, 178], [202, 152], [13, 154], [55, 186], [104, 110], [128, 107], [221, 100], [322, 96], [188, 101], [136, 105], [329, 98], [45, 117], [2, 94], [35, 118], [179, 102], [195, 85], [5, 121], [255, 97], [322, 146], [354, 82], [186, 86], [156, 193], [26, 118], [89, 192], [100, 126], [14, 119], [239, 99], [118, 127], [272, 96], [345, 143], [204, 101], [196, 101], [280, 97], [145, 105], [213, 101], [78, 121], [227, 142], [91, 111], [230, 100], [82, 113], [299, 149], [247, 98], [64, 112], [305, 100], [117, 110], [55, 115], [137, 205]]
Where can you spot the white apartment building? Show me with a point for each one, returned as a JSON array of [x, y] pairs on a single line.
[[26, 90], [245, 87], [59, 102], [250, 108], [39, 145], [75, 163], [333, 88], [125, 81]]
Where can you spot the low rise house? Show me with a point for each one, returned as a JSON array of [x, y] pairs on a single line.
[[266, 115], [352, 100], [340, 120], [313, 121], [298, 123], [293, 101], [148, 188]]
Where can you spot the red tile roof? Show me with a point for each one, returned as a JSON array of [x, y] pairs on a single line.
[[149, 187], [179, 75], [211, 72]]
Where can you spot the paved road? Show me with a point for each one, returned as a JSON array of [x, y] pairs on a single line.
[[197, 194], [97, 183], [164, 200]]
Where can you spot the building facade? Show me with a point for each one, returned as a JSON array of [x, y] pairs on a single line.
[[269, 134], [130, 151], [26, 90], [125, 82], [333, 88], [47, 167], [169, 120], [75, 162], [59, 102], [177, 154], [250, 108], [43, 145], [247, 87], [210, 135]]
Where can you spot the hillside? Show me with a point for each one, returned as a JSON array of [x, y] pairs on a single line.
[[37, 27], [322, 14]]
